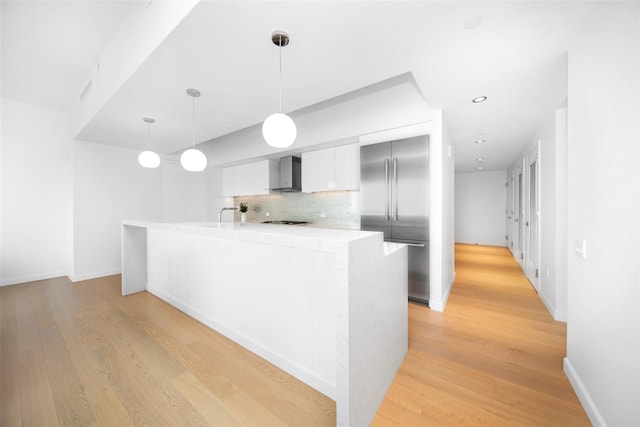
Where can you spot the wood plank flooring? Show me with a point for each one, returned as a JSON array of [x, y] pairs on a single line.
[[494, 357], [81, 354]]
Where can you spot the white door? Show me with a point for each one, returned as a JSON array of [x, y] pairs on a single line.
[[518, 217], [532, 218], [510, 211]]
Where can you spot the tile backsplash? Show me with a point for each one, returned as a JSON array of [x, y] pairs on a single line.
[[332, 207]]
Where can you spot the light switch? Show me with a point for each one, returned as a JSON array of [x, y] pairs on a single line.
[[581, 248]]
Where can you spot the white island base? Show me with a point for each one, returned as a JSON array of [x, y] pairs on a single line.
[[327, 306]]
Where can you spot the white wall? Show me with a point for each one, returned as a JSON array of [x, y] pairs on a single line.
[[449, 209], [36, 197], [108, 186], [481, 200], [551, 138], [441, 212], [183, 193], [603, 331], [61, 201], [559, 275]]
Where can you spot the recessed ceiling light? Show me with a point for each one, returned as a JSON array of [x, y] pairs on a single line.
[[479, 141], [480, 159], [479, 168], [478, 99]]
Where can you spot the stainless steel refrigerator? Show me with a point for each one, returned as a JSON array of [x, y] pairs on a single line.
[[394, 199]]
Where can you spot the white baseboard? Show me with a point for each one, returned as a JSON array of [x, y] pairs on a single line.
[[583, 395], [95, 274], [31, 278], [440, 305], [559, 315]]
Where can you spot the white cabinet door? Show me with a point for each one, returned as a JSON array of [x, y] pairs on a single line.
[[331, 169], [244, 176], [251, 179], [347, 167], [266, 176], [310, 172], [228, 189], [327, 169]]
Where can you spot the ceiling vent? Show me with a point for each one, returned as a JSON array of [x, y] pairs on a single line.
[[86, 90]]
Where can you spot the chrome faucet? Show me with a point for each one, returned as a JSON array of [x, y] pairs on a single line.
[[222, 210]]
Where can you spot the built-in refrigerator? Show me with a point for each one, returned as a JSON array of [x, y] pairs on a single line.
[[394, 199]]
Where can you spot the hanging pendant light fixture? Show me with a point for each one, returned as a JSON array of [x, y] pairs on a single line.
[[193, 159], [278, 129], [148, 158]]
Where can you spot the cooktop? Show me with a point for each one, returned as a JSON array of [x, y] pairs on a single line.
[[287, 222]]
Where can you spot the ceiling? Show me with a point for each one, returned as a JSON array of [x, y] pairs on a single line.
[[515, 54], [49, 47]]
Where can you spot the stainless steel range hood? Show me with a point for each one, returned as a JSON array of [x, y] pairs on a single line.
[[290, 175]]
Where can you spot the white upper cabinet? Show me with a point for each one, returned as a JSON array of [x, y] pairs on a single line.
[[327, 170], [331, 169], [348, 167], [251, 179], [309, 171]]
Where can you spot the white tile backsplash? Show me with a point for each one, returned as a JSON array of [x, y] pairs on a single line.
[[330, 207]]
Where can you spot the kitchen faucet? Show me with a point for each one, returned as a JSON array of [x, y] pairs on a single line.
[[222, 210]]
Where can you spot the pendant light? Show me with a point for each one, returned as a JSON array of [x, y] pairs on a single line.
[[148, 158], [278, 129], [193, 159]]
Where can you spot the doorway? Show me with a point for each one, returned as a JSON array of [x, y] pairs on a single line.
[[518, 231], [532, 218]]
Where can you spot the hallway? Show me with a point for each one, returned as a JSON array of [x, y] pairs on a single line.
[[494, 357]]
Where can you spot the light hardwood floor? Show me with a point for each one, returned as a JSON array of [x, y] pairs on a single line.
[[81, 354], [494, 357]]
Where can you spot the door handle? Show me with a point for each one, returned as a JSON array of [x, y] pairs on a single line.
[[386, 189], [395, 188]]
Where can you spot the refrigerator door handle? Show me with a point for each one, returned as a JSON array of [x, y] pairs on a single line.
[[409, 243], [395, 188], [386, 189]]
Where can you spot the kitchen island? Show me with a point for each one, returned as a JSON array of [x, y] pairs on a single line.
[[327, 306]]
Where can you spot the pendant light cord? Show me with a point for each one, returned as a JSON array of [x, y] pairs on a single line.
[[280, 49], [149, 136], [193, 144]]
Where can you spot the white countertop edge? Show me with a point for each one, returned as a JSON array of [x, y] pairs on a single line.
[[285, 235], [391, 247]]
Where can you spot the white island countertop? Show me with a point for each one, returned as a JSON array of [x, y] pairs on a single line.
[[327, 305], [300, 236], [258, 231]]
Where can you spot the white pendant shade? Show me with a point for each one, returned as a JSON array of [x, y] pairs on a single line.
[[193, 160], [149, 159], [279, 130]]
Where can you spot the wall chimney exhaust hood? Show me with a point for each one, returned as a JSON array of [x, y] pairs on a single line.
[[290, 175]]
